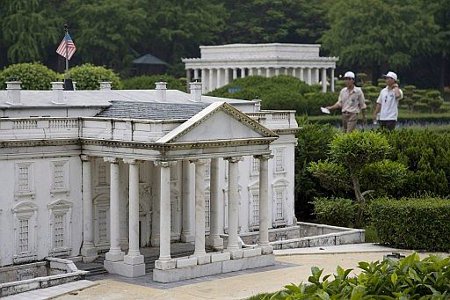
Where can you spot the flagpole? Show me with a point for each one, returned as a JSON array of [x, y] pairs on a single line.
[[66, 31]]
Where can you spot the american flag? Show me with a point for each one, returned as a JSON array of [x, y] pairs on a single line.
[[66, 42]]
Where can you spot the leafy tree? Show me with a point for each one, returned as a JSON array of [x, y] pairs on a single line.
[[88, 76], [104, 31], [27, 28], [267, 21], [34, 76], [355, 152], [379, 34]]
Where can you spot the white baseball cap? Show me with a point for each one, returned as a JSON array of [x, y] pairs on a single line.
[[391, 75], [349, 74]]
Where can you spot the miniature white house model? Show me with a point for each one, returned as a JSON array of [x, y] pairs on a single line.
[[88, 172]]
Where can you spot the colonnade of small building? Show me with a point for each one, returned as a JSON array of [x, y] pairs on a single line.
[[216, 77], [132, 263]]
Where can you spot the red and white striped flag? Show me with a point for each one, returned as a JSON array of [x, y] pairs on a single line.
[[66, 48]]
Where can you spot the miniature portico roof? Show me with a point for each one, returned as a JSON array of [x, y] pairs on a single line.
[[218, 122]]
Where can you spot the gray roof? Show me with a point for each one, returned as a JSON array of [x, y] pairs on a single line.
[[151, 110], [149, 59]]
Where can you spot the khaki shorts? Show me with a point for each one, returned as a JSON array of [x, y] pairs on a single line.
[[349, 121]]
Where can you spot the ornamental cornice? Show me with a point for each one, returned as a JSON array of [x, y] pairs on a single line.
[[39, 143], [286, 131]]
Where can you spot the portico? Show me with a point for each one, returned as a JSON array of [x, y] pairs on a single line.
[[199, 141], [219, 65]]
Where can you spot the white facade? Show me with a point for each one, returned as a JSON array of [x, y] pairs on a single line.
[[78, 171], [219, 65]]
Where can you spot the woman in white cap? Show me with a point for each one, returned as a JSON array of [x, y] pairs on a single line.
[[387, 102], [351, 101]]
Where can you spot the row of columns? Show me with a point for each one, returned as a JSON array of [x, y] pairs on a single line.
[[214, 78], [134, 257]]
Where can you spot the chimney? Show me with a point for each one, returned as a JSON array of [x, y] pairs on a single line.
[[196, 91], [257, 107], [161, 87], [13, 91], [58, 88], [105, 85]]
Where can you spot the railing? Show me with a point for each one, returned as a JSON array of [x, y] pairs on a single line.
[[273, 119], [46, 128]]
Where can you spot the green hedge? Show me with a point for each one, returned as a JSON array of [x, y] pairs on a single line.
[[147, 82], [34, 76], [406, 278], [337, 212], [421, 224]]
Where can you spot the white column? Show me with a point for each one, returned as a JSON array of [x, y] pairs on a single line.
[[218, 79], [134, 256], [205, 78], [250, 71], [264, 223], [88, 251], [199, 207], [187, 234], [196, 74], [214, 240], [332, 79], [316, 73], [188, 77], [211, 80], [293, 72], [164, 261], [301, 75], [267, 73], [156, 213], [285, 72], [242, 72], [277, 71], [324, 80], [234, 73], [259, 71], [233, 206], [308, 76], [227, 76], [114, 253]]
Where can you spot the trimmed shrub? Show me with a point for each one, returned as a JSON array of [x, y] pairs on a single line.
[[88, 76], [337, 212], [34, 76], [147, 82], [420, 224], [406, 278]]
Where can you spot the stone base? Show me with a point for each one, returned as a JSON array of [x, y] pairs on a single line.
[[187, 238], [89, 254], [114, 256], [215, 242], [123, 269], [188, 272]]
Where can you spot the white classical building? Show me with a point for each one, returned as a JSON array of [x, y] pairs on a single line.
[[84, 172], [219, 65]]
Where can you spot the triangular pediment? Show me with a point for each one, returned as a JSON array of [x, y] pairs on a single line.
[[218, 122]]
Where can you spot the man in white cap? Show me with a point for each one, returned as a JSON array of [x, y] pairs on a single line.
[[387, 102], [351, 101]]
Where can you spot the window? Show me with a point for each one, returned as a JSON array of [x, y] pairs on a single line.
[[24, 179], [60, 227], [58, 231], [254, 166], [207, 209], [279, 160], [24, 216], [255, 208], [23, 236], [60, 172], [103, 226], [279, 197], [102, 174]]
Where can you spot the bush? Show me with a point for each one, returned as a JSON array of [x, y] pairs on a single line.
[[88, 76], [148, 82], [337, 212], [34, 76], [407, 278], [279, 92], [413, 223]]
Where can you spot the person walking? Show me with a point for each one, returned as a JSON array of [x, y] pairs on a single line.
[[387, 102], [351, 102]]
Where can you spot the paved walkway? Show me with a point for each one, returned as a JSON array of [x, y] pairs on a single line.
[[293, 266]]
